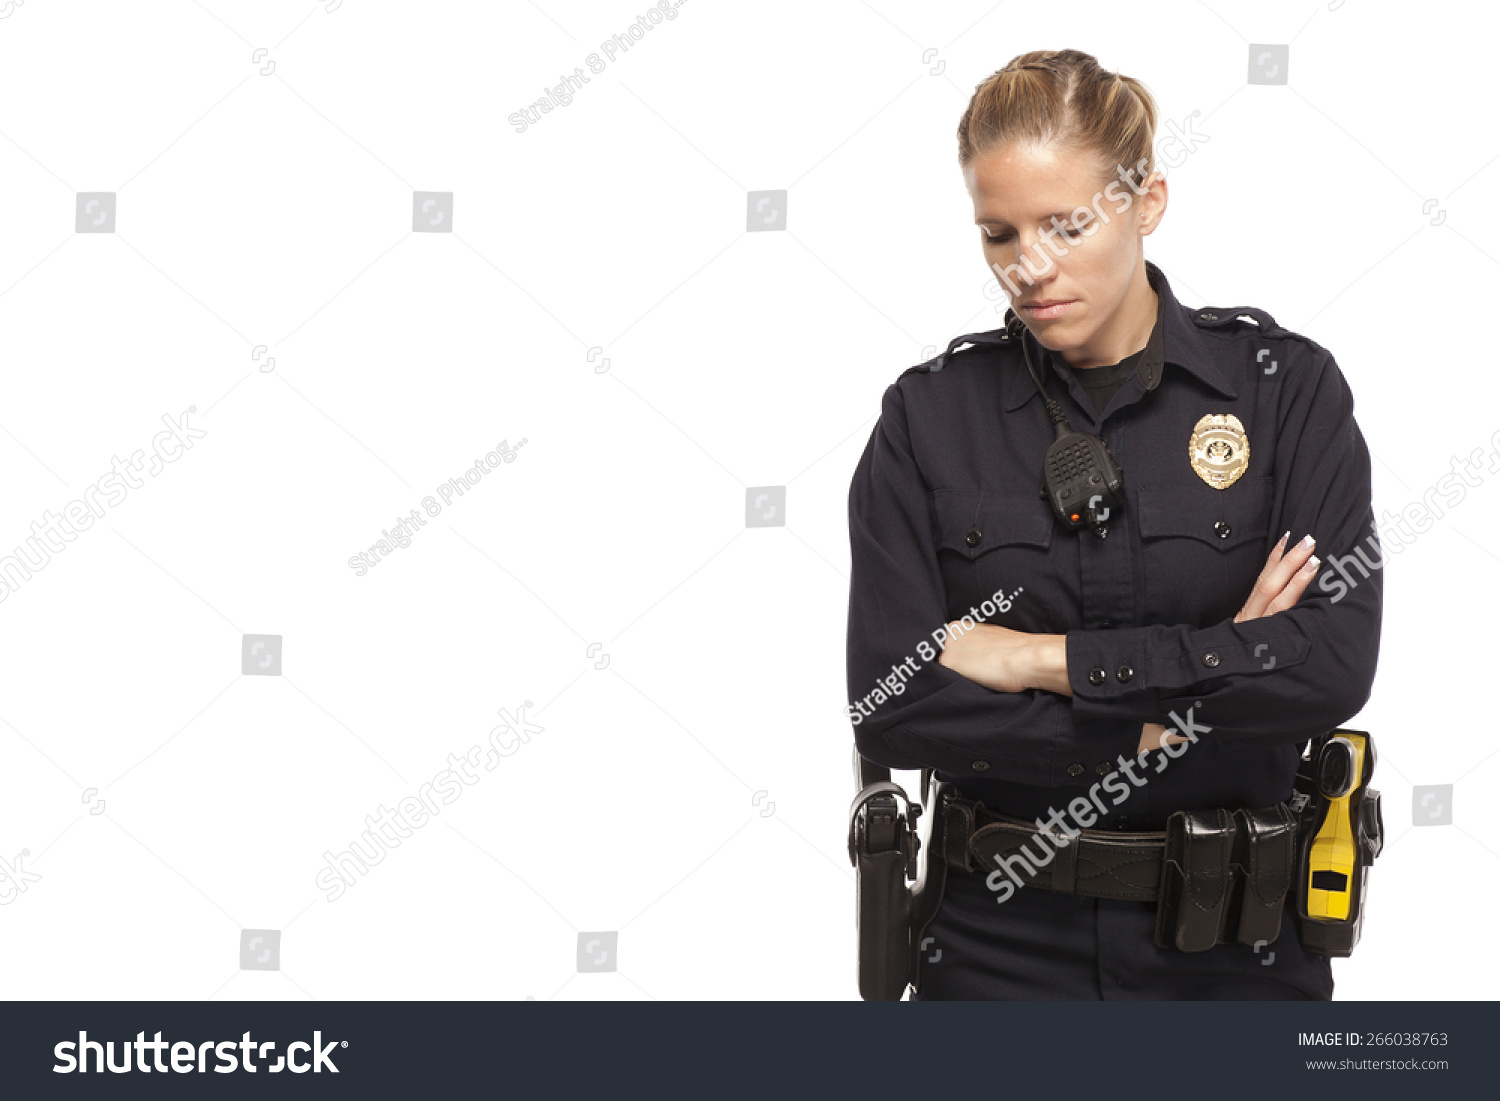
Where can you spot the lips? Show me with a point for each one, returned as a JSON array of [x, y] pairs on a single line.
[[1045, 308]]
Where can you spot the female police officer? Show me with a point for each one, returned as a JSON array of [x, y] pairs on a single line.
[[1067, 649]]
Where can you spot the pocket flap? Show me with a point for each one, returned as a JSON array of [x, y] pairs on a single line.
[[1223, 518], [973, 523]]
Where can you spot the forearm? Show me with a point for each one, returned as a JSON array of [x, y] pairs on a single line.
[[1047, 657]]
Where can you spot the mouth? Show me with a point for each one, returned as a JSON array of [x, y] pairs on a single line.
[[1044, 308]]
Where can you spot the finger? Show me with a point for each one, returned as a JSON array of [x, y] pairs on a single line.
[[1268, 585], [1294, 588], [1278, 570], [1261, 594]]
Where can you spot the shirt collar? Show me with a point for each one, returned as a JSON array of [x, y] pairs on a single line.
[[1174, 339]]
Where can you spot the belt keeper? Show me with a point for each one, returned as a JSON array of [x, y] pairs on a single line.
[[1192, 902], [958, 827], [1064, 863]]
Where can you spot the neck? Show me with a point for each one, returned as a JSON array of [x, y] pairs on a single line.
[[1125, 333]]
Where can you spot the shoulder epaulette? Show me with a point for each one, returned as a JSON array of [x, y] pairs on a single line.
[[933, 364], [938, 362], [1220, 317]]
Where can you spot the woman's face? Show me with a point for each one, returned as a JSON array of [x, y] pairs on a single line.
[[1065, 280]]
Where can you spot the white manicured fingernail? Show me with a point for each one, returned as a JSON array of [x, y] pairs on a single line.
[[1308, 540]]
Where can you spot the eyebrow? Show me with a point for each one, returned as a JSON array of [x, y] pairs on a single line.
[[1061, 215]]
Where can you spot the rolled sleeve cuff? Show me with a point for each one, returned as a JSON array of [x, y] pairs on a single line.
[[1132, 664]]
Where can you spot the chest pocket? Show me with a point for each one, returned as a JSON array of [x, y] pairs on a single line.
[[1203, 547], [989, 543]]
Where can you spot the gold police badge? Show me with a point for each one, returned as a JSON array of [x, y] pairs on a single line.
[[1218, 449]]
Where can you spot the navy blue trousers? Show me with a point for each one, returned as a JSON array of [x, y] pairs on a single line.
[[1040, 945]]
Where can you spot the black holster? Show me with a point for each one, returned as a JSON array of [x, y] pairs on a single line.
[[1356, 815], [884, 847]]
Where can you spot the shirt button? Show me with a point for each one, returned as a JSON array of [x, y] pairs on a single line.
[[973, 538], [1209, 316], [1211, 659], [1121, 822], [1102, 531], [1096, 675], [1222, 529], [1124, 674], [1075, 770], [980, 766], [1102, 768]]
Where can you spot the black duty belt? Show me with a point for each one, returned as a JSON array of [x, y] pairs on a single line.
[[1217, 875]]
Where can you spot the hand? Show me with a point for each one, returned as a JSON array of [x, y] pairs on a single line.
[[1278, 588], [1154, 736], [1281, 580]]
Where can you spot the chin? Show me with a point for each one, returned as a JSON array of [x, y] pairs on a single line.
[[1063, 337]]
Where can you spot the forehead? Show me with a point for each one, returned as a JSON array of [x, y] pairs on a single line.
[[1025, 180]]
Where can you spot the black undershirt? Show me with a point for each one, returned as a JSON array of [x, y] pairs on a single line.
[[1102, 382]]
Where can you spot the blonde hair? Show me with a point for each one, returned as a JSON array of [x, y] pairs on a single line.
[[1062, 97]]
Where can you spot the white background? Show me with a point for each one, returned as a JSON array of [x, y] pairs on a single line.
[[276, 210]]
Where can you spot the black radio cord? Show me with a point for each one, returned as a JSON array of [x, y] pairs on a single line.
[[1018, 330]]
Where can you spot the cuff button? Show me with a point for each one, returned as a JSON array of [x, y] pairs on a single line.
[[980, 766], [973, 538], [1124, 673], [1075, 770], [1096, 675], [1103, 768], [1211, 659]]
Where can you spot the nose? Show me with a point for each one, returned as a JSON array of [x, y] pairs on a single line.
[[1025, 266], [1036, 266]]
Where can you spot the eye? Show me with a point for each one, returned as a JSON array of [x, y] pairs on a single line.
[[1069, 233]]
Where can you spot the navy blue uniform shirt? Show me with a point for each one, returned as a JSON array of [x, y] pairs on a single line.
[[944, 512]]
